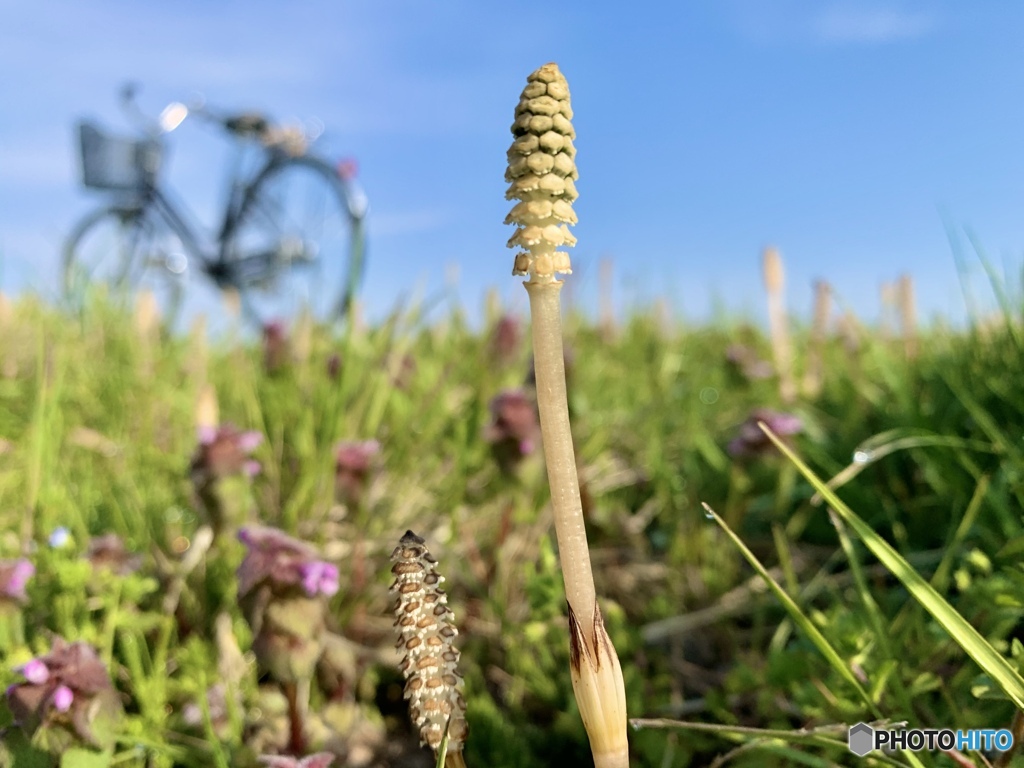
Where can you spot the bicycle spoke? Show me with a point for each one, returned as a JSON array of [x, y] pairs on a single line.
[[122, 251], [292, 247]]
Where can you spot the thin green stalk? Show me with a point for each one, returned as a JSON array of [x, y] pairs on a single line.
[[959, 629]]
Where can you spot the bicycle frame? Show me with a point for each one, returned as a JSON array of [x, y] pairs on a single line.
[[211, 255], [262, 232], [239, 198]]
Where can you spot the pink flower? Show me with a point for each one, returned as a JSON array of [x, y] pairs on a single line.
[[63, 698], [14, 576], [283, 562], [514, 429], [334, 366], [751, 441], [319, 576], [69, 689], [319, 760], [353, 464], [224, 451], [275, 346], [283, 586], [35, 671], [507, 338]]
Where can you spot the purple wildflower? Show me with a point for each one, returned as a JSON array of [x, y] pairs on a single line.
[[222, 452], [35, 671], [59, 537], [275, 346], [334, 366], [751, 441], [506, 339], [14, 576], [69, 689], [319, 577], [283, 586], [282, 562], [318, 760], [353, 465], [63, 697], [514, 429]]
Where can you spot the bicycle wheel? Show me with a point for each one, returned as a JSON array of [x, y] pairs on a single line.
[[123, 250], [298, 243]]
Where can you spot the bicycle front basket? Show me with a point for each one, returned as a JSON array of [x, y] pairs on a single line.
[[115, 163]]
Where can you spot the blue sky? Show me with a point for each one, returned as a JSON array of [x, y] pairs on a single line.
[[837, 131]]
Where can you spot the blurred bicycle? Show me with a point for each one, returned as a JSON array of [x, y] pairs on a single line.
[[291, 233]]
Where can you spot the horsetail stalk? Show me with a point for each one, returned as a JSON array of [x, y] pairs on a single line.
[[782, 346], [426, 631], [541, 175], [908, 315], [814, 375]]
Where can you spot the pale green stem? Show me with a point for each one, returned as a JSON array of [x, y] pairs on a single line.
[[553, 405]]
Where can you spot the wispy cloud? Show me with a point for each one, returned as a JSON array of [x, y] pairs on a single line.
[[860, 24], [840, 22]]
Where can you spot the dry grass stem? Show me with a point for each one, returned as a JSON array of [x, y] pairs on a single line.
[[199, 356], [814, 375], [782, 346], [887, 292], [908, 315], [207, 413], [606, 279]]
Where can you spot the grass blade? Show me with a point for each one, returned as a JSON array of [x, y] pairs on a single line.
[[799, 618], [959, 629]]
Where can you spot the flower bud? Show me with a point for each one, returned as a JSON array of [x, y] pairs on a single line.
[[514, 432], [14, 576], [354, 464], [283, 587]]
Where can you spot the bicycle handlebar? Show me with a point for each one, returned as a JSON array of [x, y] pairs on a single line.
[[127, 95], [244, 124], [293, 140]]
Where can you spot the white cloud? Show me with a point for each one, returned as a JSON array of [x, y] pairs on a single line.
[[858, 24], [834, 23]]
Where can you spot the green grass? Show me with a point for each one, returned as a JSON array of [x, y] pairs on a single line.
[[903, 605]]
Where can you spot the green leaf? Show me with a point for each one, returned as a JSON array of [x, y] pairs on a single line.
[[801, 619], [85, 758], [959, 629], [442, 751], [17, 752]]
